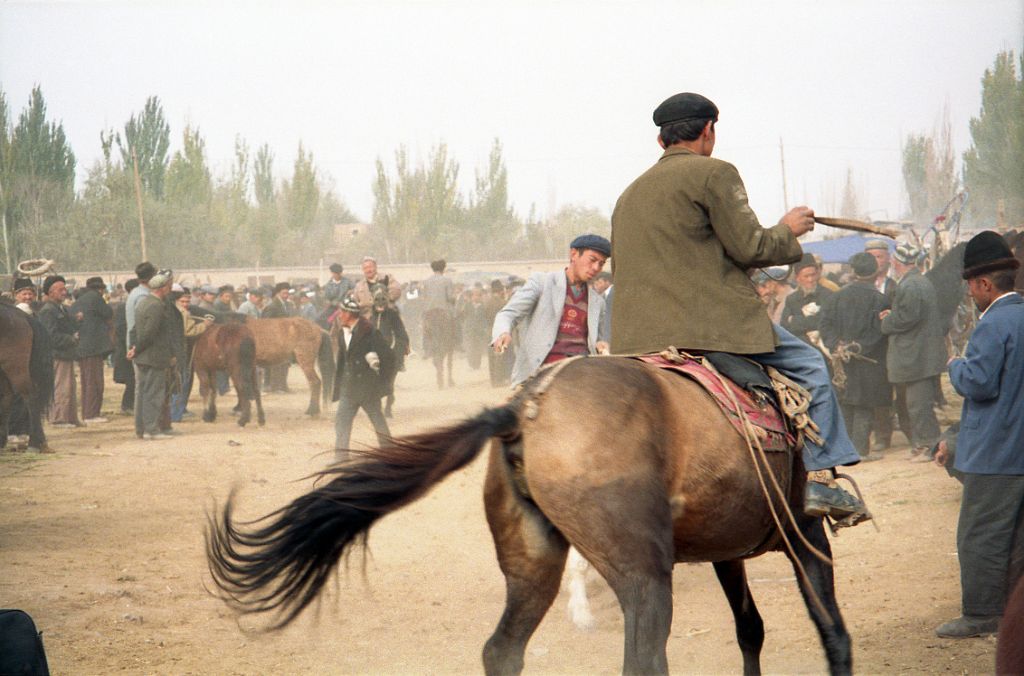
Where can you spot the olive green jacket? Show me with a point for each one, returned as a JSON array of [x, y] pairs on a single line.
[[683, 238]]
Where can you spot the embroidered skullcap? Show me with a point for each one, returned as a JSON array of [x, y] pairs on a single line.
[[907, 253]]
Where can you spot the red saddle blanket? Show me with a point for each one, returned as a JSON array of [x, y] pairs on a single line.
[[765, 416]]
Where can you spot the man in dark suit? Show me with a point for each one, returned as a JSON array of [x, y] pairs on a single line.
[[359, 382], [275, 378], [885, 285], [94, 345]]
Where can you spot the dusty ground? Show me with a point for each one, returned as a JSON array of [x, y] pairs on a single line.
[[102, 544]]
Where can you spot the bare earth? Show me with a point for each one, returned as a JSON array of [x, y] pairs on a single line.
[[102, 544]]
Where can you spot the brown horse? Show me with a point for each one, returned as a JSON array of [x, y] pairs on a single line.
[[26, 371], [637, 481], [439, 340], [230, 348], [278, 339]]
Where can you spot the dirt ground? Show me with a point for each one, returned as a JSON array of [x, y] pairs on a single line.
[[102, 544]]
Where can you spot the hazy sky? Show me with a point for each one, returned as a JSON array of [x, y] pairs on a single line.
[[568, 87]]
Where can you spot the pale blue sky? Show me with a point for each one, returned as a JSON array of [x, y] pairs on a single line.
[[568, 87]]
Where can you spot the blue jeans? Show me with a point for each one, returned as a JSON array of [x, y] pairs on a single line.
[[179, 401], [806, 367]]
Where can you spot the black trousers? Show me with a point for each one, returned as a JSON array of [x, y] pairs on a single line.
[[859, 422], [917, 398], [990, 518]]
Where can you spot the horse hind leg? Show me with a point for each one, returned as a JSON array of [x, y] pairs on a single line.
[[749, 625], [244, 398], [531, 554], [307, 364], [820, 581], [208, 393]]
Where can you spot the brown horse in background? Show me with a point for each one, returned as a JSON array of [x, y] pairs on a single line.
[[637, 482], [230, 348], [26, 371], [278, 339]]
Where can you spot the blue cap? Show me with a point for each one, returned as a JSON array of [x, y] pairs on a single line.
[[595, 242]]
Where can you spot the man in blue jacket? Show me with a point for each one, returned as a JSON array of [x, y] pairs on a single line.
[[990, 446]]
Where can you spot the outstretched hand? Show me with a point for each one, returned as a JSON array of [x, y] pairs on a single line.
[[799, 220]]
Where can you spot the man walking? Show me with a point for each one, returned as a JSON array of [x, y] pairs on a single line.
[[561, 313], [684, 238], [62, 328], [917, 349], [990, 446], [153, 343], [94, 345], [364, 359]]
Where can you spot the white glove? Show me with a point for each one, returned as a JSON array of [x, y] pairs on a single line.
[[810, 309], [373, 360]]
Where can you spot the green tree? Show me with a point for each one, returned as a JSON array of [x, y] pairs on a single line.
[[489, 219], [301, 195], [38, 181], [264, 222], [188, 180], [149, 135], [929, 173], [994, 164]]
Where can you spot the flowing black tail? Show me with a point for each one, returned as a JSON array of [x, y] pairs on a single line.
[[325, 360], [281, 566]]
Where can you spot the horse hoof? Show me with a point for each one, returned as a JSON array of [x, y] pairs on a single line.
[[209, 417]]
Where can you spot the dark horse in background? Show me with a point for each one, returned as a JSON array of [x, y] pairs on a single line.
[[660, 477], [230, 348], [439, 338], [26, 371]]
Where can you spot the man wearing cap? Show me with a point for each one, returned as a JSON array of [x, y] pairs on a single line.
[[62, 328], [207, 297], [337, 287], [850, 325], [364, 359], [253, 306], [152, 347], [94, 345], [917, 348], [879, 249], [225, 299], [562, 312], [800, 316], [144, 271], [683, 241], [773, 291], [25, 295], [372, 279], [990, 446], [275, 378]]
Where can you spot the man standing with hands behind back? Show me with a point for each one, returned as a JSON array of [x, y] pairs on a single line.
[[990, 446]]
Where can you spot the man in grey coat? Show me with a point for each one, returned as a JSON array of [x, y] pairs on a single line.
[[558, 314], [152, 349], [917, 348]]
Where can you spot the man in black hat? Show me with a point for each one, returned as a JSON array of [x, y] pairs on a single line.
[[94, 345], [364, 361], [800, 316], [25, 295], [565, 313], [684, 239], [62, 328], [337, 287], [851, 330], [990, 445], [917, 349]]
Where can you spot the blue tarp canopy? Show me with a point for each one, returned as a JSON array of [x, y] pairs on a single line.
[[840, 249]]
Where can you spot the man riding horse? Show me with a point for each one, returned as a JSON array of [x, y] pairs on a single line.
[[683, 240]]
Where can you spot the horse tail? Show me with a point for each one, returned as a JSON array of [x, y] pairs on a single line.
[[325, 360], [282, 561], [40, 366], [247, 366]]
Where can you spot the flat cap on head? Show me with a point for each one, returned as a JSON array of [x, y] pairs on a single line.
[[23, 283], [208, 288], [227, 288], [864, 265], [95, 283], [987, 252], [685, 106], [876, 245], [282, 286], [806, 261], [336, 268], [50, 281], [596, 242]]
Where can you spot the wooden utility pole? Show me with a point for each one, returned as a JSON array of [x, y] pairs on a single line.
[[785, 196], [138, 200]]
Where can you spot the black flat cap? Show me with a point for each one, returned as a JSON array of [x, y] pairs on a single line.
[[685, 106], [23, 283], [864, 265], [595, 242]]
